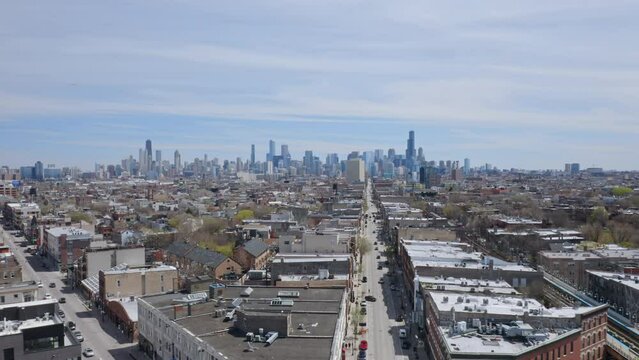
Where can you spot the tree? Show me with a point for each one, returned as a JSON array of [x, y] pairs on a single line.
[[244, 214], [599, 216], [452, 211], [592, 232], [621, 191], [621, 233], [78, 216]]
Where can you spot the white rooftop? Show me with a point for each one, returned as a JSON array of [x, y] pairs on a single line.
[[629, 280]]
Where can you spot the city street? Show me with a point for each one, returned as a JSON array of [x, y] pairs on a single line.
[[383, 329], [101, 336]]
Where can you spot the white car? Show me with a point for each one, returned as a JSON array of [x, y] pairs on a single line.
[[88, 352], [363, 303], [47, 296], [40, 284], [78, 336]]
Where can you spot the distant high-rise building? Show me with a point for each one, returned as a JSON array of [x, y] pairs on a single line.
[[158, 160], [308, 161], [286, 156], [353, 155], [177, 161], [252, 154], [355, 170], [574, 168], [466, 166], [142, 159], [379, 154], [391, 154], [271, 150], [567, 168], [149, 155], [410, 152], [39, 171]]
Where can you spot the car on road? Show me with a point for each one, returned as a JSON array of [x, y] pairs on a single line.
[[374, 232], [375, 247], [62, 300], [40, 284], [375, 243], [362, 311], [363, 345], [377, 257], [47, 296], [379, 267], [23, 244], [381, 280], [370, 298], [400, 318], [61, 314], [363, 303], [78, 336], [364, 279], [402, 334], [88, 352], [51, 284], [362, 323], [71, 325]]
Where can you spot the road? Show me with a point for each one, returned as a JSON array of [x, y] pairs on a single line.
[[101, 336], [383, 330]]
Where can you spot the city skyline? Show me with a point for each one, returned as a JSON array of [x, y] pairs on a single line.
[[517, 85]]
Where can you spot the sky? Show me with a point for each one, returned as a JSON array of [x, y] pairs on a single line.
[[515, 84]]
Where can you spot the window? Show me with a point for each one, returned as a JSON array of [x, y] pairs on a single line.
[[161, 277], [8, 354], [118, 283], [2, 299], [571, 347]]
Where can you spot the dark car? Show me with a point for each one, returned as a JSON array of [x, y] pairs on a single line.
[[400, 318], [62, 300], [71, 325], [364, 279], [377, 257], [370, 298], [52, 285], [61, 314], [363, 323], [379, 267]]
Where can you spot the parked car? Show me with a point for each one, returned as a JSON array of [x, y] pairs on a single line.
[[88, 352], [61, 314], [40, 284], [381, 280], [51, 284], [400, 318], [78, 336], [62, 300], [47, 296], [363, 345], [377, 257], [71, 325], [370, 298], [402, 334], [363, 303], [364, 279], [379, 267]]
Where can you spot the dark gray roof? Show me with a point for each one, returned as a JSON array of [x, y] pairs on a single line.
[[255, 247], [179, 248], [206, 257]]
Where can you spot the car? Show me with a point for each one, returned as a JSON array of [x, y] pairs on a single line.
[[386, 262], [374, 232], [88, 352], [78, 336], [399, 318], [71, 325], [40, 284], [377, 257], [363, 345], [362, 311], [61, 314], [381, 280], [402, 334], [47, 296], [375, 247], [363, 303], [364, 279], [379, 267], [362, 323], [23, 244], [51, 284], [62, 300], [370, 298], [406, 345]]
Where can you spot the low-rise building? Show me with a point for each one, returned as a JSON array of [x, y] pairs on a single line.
[[253, 254], [64, 245], [32, 331], [620, 290], [18, 292], [314, 270], [299, 323], [192, 260]]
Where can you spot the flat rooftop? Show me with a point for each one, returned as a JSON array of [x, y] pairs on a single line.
[[629, 280], [474, 343], [465, 285], [317, 309]]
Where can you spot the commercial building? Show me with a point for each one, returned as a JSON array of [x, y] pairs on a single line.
[[32, 331], [355, 171], [64, 245], [19, 215], [94, 260], [620, 290], [236, 322], [470, 326], [314, 270], [18, 292]]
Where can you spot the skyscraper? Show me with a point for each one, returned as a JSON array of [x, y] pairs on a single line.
[[158, 159], [355, 171], [149, 155], [252, 154], [271, 150], [308, 161], [286, 156], [177, 161], [39, 171], [410, 152], [466, 166]]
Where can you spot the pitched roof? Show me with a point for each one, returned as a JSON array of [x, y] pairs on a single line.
[[255, 247], [206, 257], [179, 248]]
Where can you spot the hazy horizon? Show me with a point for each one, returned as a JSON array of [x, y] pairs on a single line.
[[518, 85]]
